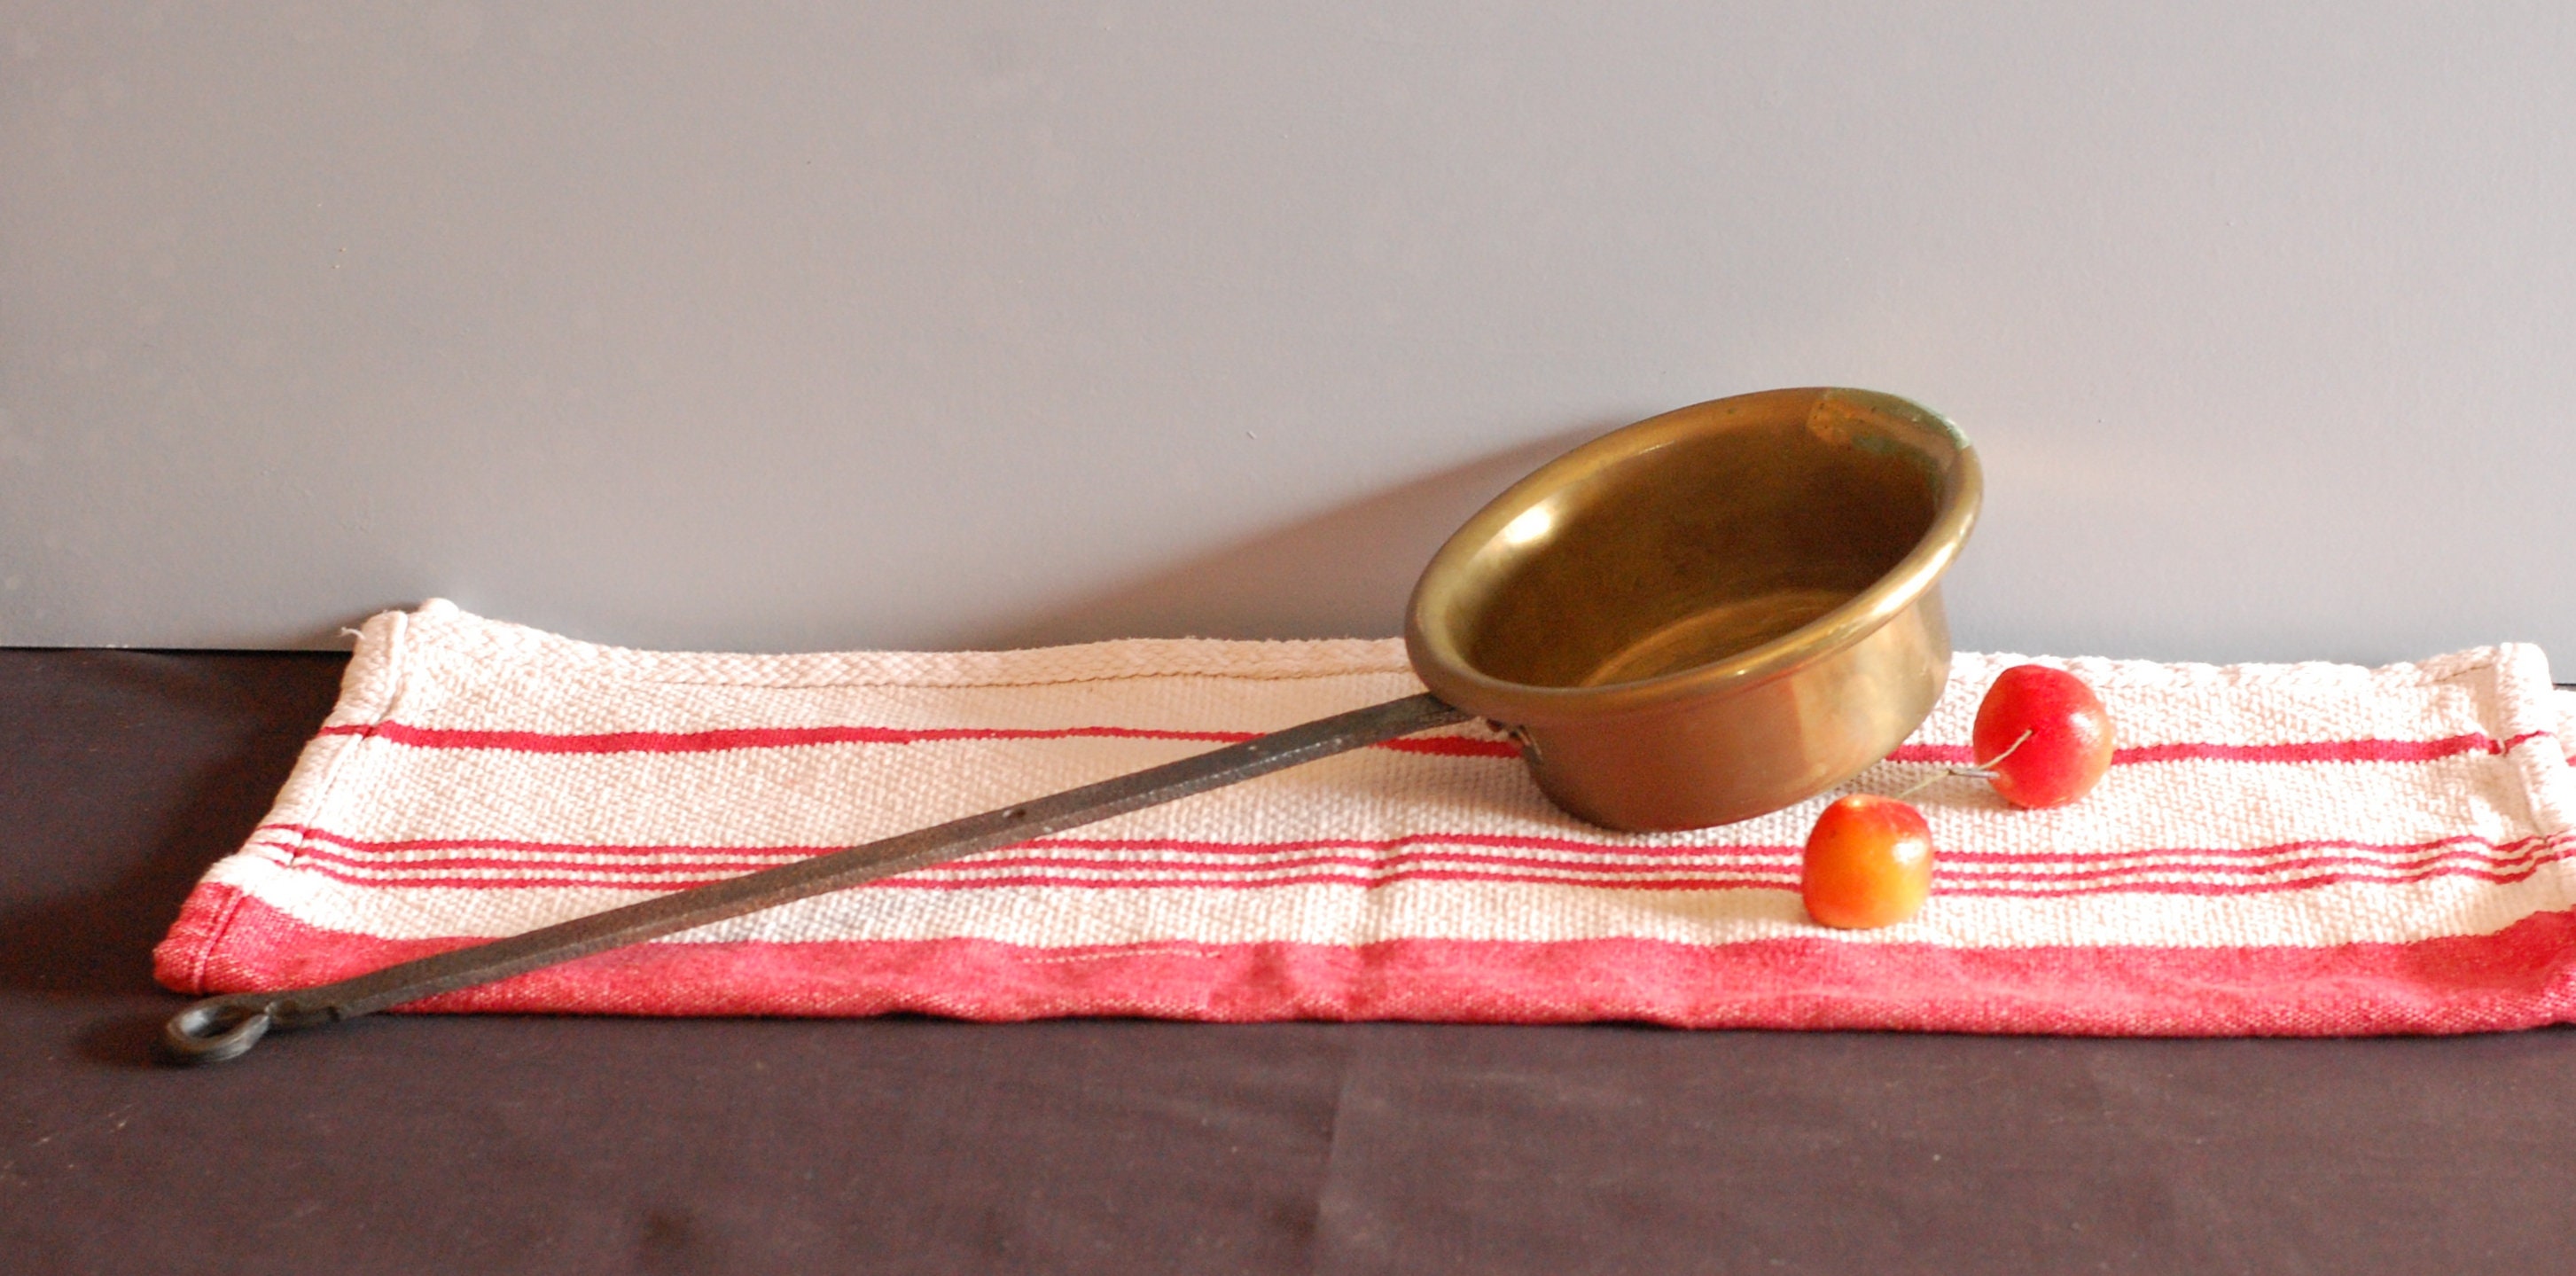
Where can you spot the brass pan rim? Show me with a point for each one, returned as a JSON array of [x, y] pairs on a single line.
[[1434, 650]]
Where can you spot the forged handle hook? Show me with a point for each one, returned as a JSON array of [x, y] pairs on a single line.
[[219, 1028], [226, 1027]]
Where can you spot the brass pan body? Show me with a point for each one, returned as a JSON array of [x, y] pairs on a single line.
[[1713, 613]]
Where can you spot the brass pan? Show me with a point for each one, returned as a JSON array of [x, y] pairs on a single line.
[[1711, 614]]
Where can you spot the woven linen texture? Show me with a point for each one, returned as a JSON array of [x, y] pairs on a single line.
[[2278, 849]]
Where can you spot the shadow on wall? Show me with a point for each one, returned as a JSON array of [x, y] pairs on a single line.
[[1343, 573]]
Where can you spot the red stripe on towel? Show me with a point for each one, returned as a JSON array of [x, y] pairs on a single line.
[[1948, 886], [2290, 753], [717, 741], [2220, 871]]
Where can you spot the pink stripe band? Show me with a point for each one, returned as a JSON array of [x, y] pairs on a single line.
[[2518, 977]]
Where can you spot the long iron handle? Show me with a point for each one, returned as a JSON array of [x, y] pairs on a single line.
[[225, 1027]]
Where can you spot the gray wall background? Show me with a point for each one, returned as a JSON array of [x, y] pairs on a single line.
[[782, 326]]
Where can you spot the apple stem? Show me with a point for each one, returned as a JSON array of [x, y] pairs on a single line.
[[1987, 767], [1982, 771]]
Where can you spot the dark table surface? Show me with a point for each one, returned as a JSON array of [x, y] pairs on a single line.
[[426, 1144]]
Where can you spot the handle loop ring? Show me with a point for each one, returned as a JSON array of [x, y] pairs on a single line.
[[217, 1029]]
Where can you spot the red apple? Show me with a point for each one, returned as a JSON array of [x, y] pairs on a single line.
[[2043, 735], [1868, 863]]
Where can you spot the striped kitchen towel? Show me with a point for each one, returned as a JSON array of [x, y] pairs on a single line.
[[2278, 849]]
